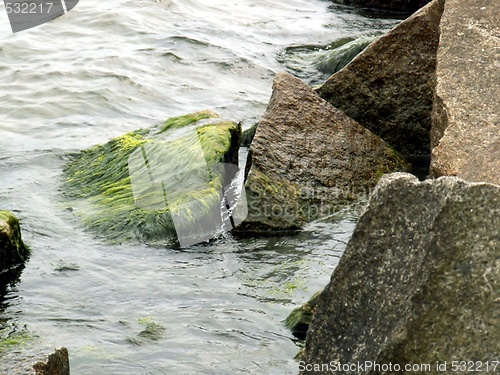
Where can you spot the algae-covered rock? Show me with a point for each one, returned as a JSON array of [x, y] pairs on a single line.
[[419, 282], [151, 184], [13, 251], [300, 318], [307, 159]]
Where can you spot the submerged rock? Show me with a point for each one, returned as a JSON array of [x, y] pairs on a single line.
[[419, 281], [153, 184], [307, 158], [300, 318], [400, 6], [13, 251], [388, 88], [466, 115], [337, 58], [315, 63]]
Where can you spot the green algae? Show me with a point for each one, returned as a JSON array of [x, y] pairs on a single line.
[[300, 318], [100, 179], [13, 251], [182, 121], [152, 330], [12, 337]]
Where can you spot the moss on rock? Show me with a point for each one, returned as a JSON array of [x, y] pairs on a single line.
[[13, 251], [300, 318], [101, 177]]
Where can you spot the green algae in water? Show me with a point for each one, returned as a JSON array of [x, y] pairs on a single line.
[[152, 330], [12, 337], [100, 176]]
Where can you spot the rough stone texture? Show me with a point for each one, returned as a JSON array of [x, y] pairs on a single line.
[[13, 251], [402, 6], [389, 87], [419, 281], [41, 362], [307, 157], [467, 103]]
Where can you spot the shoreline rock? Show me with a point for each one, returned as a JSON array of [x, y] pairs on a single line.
[[388, 88], [466, 114], [307, 158], [419, 281], [13, 252]]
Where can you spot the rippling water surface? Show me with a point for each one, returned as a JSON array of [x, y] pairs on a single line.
[[107, 68]]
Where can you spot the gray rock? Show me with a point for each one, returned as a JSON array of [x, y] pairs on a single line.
[[400, 6], [466, 115], [419, 281], [389, 87], [307, 157]]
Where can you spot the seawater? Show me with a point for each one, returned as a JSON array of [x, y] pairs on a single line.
[[107, 68]]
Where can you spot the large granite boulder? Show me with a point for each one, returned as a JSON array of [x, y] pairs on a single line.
[[466, 116], [161, 184], [399, 6], [13, 251], [419, 282], [389, 87], [307, 157]]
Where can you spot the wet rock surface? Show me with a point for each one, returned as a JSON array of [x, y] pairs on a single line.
[[419, 281]]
